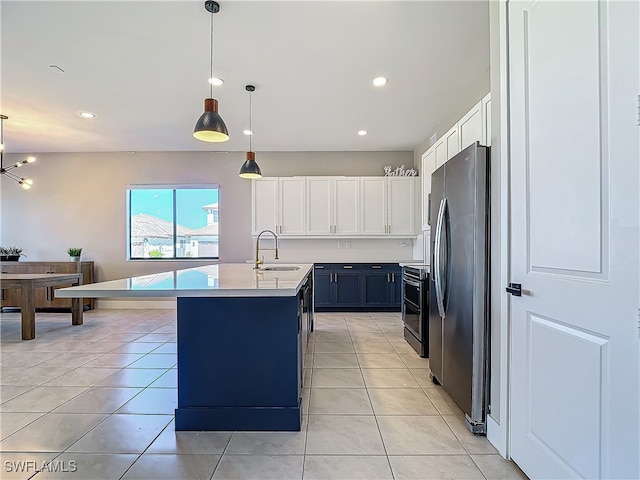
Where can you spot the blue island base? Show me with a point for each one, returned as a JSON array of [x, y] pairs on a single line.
[[240, 363], [239, 418]]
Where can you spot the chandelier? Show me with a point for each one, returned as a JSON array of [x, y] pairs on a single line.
[[22, 181]]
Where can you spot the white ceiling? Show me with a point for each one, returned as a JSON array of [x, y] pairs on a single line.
[[143, 66]]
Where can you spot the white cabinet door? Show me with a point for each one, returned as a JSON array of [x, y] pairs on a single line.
[[427, 168], [470, 127], [440, 148], [291, 203], [346, 209], [320, 205], [401, 205], [264, 214], [486, 120], [452, 139], [373, 195]]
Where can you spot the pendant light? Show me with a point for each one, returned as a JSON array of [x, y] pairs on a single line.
[[23, 182], [250, 168], [210, 126]]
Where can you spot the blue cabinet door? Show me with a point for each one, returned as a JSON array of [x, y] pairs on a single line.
[[376, 291], [348, 288], [396, 285], [323, 287]]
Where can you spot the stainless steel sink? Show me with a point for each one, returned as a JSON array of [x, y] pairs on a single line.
[[278, 269]]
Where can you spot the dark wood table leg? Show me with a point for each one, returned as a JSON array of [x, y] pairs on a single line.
[[76, 311], [28, 309]]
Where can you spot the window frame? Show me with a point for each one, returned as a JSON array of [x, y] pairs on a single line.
[[173, 187]]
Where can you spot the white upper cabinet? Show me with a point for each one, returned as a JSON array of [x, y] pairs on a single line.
[[452, 138], [335, 206], [291, 206], [428, 166], [486, 123], [401, 205], [346, 207], [319, 206], [373, 192], [264, 211], [332, 205], [388, 205], [475, 126], [447, 146], [278, 205], [470, 127]]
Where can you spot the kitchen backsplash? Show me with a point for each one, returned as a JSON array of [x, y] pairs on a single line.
[[340, 250]]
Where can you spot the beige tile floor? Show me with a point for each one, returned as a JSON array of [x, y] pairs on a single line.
[[96, 402]]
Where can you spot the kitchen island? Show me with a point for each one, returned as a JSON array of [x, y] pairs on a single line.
[[242, 336]]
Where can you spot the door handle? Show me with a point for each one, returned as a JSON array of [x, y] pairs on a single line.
[[515, 289], [347, 266], [437, 260], [388, 278]]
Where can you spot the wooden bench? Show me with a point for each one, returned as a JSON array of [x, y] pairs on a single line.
[[27, 283]]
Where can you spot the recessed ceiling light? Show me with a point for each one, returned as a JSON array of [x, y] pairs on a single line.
[[86, 114], [379, 81], [362, 133], [215, 81], [247, 132]]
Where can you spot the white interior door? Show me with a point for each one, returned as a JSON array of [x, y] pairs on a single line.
[[574, 81]]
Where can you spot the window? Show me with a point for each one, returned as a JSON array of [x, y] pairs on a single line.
[[172, 222]]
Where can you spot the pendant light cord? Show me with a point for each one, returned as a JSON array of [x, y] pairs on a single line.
[[211, 52], [250, 117]]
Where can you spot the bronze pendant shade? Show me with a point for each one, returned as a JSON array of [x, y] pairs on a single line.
[[250, 168], [210, 127]]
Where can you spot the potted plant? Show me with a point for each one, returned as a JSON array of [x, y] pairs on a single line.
[[74, 253], [10, 254]]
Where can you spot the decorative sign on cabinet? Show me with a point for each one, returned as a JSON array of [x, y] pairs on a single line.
[[335, 206]]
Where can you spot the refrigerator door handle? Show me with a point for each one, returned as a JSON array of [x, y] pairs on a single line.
[[437, 254]]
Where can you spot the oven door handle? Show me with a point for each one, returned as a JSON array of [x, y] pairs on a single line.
[[437, 260], [413, 284], [411, 304]]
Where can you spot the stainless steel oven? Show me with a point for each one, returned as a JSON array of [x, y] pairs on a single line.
[[415, 307]]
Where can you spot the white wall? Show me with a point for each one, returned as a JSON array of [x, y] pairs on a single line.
[[78, 199]]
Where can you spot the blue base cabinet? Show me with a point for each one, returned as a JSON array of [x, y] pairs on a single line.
[[350, 287], [240, 362]]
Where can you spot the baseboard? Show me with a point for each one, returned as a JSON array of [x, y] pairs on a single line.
[[132, 303]]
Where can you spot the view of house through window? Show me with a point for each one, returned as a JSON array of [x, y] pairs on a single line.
[[170, 222]]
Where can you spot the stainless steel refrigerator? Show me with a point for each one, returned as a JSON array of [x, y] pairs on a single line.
[[459, 289]]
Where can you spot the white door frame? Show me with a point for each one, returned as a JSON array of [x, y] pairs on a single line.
[[498, 418]]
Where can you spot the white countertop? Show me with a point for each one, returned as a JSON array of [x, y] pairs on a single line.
[[219, 280]]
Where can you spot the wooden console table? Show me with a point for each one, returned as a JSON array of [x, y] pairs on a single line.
[[27, 283]]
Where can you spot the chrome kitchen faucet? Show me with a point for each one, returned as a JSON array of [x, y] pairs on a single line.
[[258, 262]]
